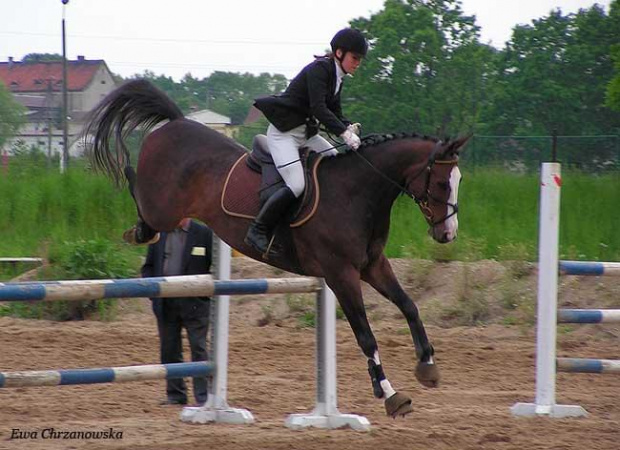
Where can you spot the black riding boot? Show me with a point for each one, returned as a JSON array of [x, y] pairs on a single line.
[[259, 233]]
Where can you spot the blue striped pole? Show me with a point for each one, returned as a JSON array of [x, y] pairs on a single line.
[[589, 268], [105, 375], [180, 286], [579, 365], [589, 316]]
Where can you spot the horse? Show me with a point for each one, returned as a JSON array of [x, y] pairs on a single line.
[[181, 172]]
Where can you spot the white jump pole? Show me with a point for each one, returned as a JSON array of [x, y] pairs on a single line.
[[216, 408], [551, 182], [325, 413]]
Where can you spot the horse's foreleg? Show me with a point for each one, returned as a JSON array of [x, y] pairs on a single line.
[[346, 285], [380, 276]]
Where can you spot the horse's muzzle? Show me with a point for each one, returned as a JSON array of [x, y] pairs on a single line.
[[441, 235]]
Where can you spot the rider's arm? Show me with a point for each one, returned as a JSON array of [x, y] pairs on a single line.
[[318, 85]]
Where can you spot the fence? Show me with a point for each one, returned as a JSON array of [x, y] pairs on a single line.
[[547, 314], [525, 153], [216, 409]]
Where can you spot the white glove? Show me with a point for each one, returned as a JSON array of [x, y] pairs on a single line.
[[356, 128], [350, 138]]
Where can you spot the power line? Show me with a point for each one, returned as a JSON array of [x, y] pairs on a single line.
[[171, 65], [175, 40]]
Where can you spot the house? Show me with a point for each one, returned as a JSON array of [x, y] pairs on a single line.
[[213, 120], [38, 87]]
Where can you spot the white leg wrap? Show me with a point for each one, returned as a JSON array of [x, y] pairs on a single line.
[[388, 391]]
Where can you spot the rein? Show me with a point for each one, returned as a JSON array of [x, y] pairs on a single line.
[[422, 202]]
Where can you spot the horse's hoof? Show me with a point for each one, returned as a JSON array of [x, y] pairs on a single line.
[[398, 405], [153, 240], [427, 374], [130, 237]]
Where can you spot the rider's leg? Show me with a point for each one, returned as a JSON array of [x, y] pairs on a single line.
[[318, 143], [283, 148]]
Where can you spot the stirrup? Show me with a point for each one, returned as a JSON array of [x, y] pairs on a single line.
[[266, 254]]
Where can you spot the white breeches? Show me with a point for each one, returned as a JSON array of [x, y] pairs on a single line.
[[284, 149]]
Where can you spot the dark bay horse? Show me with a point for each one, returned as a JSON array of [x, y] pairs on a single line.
[[181, 172]]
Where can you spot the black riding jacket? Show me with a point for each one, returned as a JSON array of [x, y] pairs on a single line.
[[310, 95]]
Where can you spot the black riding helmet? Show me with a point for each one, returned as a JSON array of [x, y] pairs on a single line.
[[350, 40]]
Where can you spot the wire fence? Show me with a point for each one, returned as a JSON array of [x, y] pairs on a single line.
[[590, 154]]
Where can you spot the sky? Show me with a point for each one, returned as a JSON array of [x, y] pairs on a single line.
[[176, 37]]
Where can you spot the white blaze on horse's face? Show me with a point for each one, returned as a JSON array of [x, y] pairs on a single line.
[[452, 222]]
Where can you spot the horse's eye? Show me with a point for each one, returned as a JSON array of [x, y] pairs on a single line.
[[444, 185]]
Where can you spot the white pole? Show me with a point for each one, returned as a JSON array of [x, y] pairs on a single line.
[[216, 408], [548, 240], [325, 413], [327, 395], [220, 380]]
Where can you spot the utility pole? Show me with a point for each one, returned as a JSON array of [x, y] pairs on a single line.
[[64, 159], [49, 103]]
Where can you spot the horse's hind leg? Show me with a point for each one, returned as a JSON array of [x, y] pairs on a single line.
[[346, 285], [141, 232], [379, 275]]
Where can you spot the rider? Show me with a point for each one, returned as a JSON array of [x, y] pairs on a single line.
[[312, 97]]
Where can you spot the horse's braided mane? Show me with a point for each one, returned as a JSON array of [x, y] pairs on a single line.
[[375, 139]]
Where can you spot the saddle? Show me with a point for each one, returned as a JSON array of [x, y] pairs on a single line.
[[254, 177]]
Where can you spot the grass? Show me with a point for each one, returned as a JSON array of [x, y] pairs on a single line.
[[42, 208], [498, 215], [498, 219]]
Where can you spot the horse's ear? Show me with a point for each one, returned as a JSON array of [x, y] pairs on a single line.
[[453, 147]]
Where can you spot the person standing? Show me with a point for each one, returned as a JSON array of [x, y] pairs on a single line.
[[185, 251]]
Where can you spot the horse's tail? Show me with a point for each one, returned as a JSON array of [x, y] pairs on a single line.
[[137, 103]]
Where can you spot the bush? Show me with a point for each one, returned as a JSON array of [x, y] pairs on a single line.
[[90, 259], [79, 260]]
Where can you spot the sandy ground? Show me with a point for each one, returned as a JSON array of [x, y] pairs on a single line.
[[485, 370]]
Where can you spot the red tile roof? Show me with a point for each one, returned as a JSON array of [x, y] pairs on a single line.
[[20, 76]]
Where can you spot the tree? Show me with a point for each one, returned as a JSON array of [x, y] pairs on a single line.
[[41, 57], [552, 76], [613, 88], [232, 94], [12, 115], [425, 72], [227, 93]]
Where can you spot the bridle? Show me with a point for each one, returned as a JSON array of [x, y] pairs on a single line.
[[423, 200]]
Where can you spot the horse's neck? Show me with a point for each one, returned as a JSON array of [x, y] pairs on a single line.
[[396, 158]]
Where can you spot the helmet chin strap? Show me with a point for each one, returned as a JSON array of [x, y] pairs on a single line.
[[340, 61]]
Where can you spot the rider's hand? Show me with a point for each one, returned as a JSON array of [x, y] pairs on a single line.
[[356, 128], [350, 138]]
